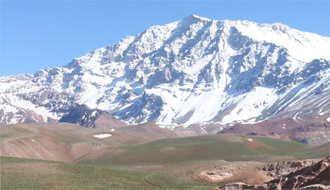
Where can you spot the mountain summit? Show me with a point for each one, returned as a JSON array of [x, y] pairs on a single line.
[[193, 71]]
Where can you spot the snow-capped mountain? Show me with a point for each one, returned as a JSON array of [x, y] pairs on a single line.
[[193, 71]]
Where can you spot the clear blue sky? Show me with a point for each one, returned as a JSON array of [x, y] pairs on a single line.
[[40, 34]]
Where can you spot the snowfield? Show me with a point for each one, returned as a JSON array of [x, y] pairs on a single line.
[[101, 136], [188, 72]]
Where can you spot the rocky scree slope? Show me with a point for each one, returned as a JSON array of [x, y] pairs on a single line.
[[193, 71], [293, 175]]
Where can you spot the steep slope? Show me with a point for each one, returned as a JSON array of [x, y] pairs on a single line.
[[193, 71], [91, 118]]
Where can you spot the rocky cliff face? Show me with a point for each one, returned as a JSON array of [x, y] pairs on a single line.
[[193, 71], [317, 174], [306, 174], [283, 168]]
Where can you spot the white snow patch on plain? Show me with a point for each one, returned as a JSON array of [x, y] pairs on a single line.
[[32, 140], [250, 140], [112, 129], [328, 119], [101, 136]]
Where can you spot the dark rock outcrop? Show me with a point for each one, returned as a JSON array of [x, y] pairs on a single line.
[[315, 176], [283, 168], [91, 118]]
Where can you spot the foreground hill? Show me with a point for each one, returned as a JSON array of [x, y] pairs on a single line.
[[188, 72], [19, 173], [140, 145], [311, 176], [205, 161]]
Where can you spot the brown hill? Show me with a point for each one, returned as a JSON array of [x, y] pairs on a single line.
[[314, 130], [68, 142], [47, 141]]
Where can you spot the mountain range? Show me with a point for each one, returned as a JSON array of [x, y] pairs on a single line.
[[195, 71]]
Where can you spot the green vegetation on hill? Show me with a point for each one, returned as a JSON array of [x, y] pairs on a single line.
[[190, 150], [129, 149], [19, 173]]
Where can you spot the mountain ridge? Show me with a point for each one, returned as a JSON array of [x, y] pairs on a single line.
[[187, 72]]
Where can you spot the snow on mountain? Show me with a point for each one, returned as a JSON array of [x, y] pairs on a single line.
[[192, 71]]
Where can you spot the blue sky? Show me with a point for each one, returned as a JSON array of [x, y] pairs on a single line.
[[40, 34]]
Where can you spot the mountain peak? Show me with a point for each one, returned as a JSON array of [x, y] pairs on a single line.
[[187, 72], [193, 17]]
